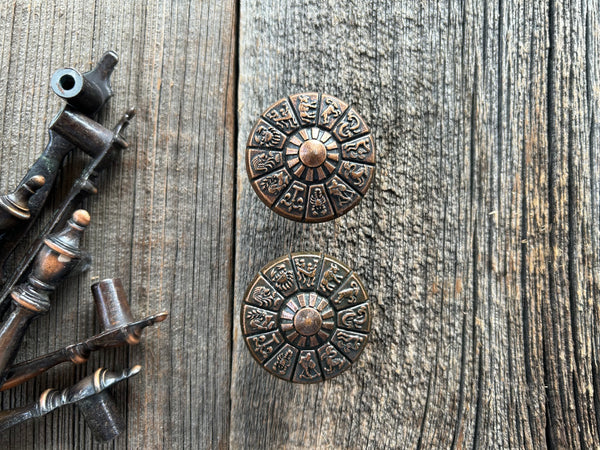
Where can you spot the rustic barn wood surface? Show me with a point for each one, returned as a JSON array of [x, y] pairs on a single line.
[[479, 240]]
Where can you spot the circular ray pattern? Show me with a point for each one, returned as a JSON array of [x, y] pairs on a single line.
[[310, 157], [305, 317]]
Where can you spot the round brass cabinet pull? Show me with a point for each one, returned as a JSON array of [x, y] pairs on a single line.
[[305, 317], [310, 157]]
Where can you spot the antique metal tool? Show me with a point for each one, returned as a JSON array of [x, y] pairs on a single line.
[[87, 92], [118, 329], [310, 157], [306, 317], [56, 254], [91, 397], [57, 258], [14, 207], [97, 141]]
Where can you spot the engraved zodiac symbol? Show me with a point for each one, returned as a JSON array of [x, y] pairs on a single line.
[[355, 173], [308, 367], [264, 161], [283, 361], [332, 360], [347, 342], [264, 296], [349, 293], [283, 117], [332, 111], [267, 136], [260, 320], [354, 319], [344, 194], [308, 110], [274, 183], [263, 346], [351, 126], [293, 201], [282, 277], [318, 202], [306, 271], [331, 278], [359, 150]]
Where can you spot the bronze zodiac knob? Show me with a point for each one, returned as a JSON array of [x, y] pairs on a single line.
[[305, 317], [310, 157]]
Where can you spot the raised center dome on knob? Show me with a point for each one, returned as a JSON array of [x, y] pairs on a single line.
[[313, 153], [307, 321]]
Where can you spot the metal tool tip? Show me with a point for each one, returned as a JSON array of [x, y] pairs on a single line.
[[161, 316], [135, 370], [109, 59]]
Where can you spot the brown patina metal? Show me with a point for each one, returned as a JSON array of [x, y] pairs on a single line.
[[97, 141], [305, 317], [310, 157], [90, 395], [87, 93], [57, 258], [25, 293], [14, 207], [118, 329]]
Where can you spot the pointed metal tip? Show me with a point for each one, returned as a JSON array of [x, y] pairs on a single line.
[[134, 370], [109, 59], [161, 316]]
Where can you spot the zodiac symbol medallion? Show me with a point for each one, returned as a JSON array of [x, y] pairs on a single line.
[[306, 317], [310, 157]]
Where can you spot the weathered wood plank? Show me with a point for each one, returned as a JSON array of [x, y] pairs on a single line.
[[162, 220], [573, 266], [478, 240]]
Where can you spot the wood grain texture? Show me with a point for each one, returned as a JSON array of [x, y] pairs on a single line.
[[478, 241], [162, 220]]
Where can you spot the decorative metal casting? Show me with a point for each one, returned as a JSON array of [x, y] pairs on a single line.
[[305, 317], [310, 157], [26, 290]]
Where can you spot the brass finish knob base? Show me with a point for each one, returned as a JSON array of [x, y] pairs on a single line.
[[305, 317], [310, 157]]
